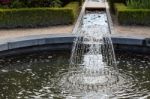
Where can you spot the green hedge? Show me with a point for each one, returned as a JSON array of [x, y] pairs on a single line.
[[128, 16], [33, 17], [112, 2], [74, 6]]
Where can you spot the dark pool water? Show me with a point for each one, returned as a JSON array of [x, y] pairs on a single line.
[[35, 76]]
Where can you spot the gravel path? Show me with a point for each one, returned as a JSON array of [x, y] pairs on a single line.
[[136, 31], [131, 31], [12, 33]]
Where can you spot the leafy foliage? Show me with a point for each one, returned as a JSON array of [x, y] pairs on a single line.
[[111, 2], [129, 16], [31, 3], [138, 4]]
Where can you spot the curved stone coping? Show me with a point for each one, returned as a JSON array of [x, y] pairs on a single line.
[[128, 40], [37, 40]]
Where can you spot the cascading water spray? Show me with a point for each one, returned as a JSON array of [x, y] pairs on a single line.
[[93, 58]]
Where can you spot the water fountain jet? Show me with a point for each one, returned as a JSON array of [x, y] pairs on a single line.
[[93, 55]]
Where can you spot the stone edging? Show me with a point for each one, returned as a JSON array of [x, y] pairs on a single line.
[[37, 40]]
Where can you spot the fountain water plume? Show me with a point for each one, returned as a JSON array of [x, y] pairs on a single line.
[[93, 38], [92, 59]]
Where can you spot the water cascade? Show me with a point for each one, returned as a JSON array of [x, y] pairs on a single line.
[[91, 72], [93, 59]]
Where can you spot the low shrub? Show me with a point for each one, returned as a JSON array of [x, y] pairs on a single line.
[[35, 3], [33, 17], [42, 3], [4, 1], [17, 4], [128, 16], [139, 4], [111, 2], [74, 6], [31, 3]]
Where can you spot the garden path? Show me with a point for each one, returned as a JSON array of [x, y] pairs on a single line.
[[132, 31], [124, 31], [13, 33]]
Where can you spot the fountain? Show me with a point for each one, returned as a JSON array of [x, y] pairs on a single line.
[[91, 73], [93, 59]]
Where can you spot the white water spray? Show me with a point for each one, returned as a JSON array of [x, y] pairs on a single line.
[[92, 58]]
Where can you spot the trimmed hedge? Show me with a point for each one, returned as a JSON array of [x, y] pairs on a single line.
[[112, 2], [128, 16], [33, 17], [74, 6], [139, 4]]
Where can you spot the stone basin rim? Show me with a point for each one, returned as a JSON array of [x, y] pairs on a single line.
[[64, 39]]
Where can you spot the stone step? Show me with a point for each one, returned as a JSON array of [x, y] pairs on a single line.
[[95, 5]]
